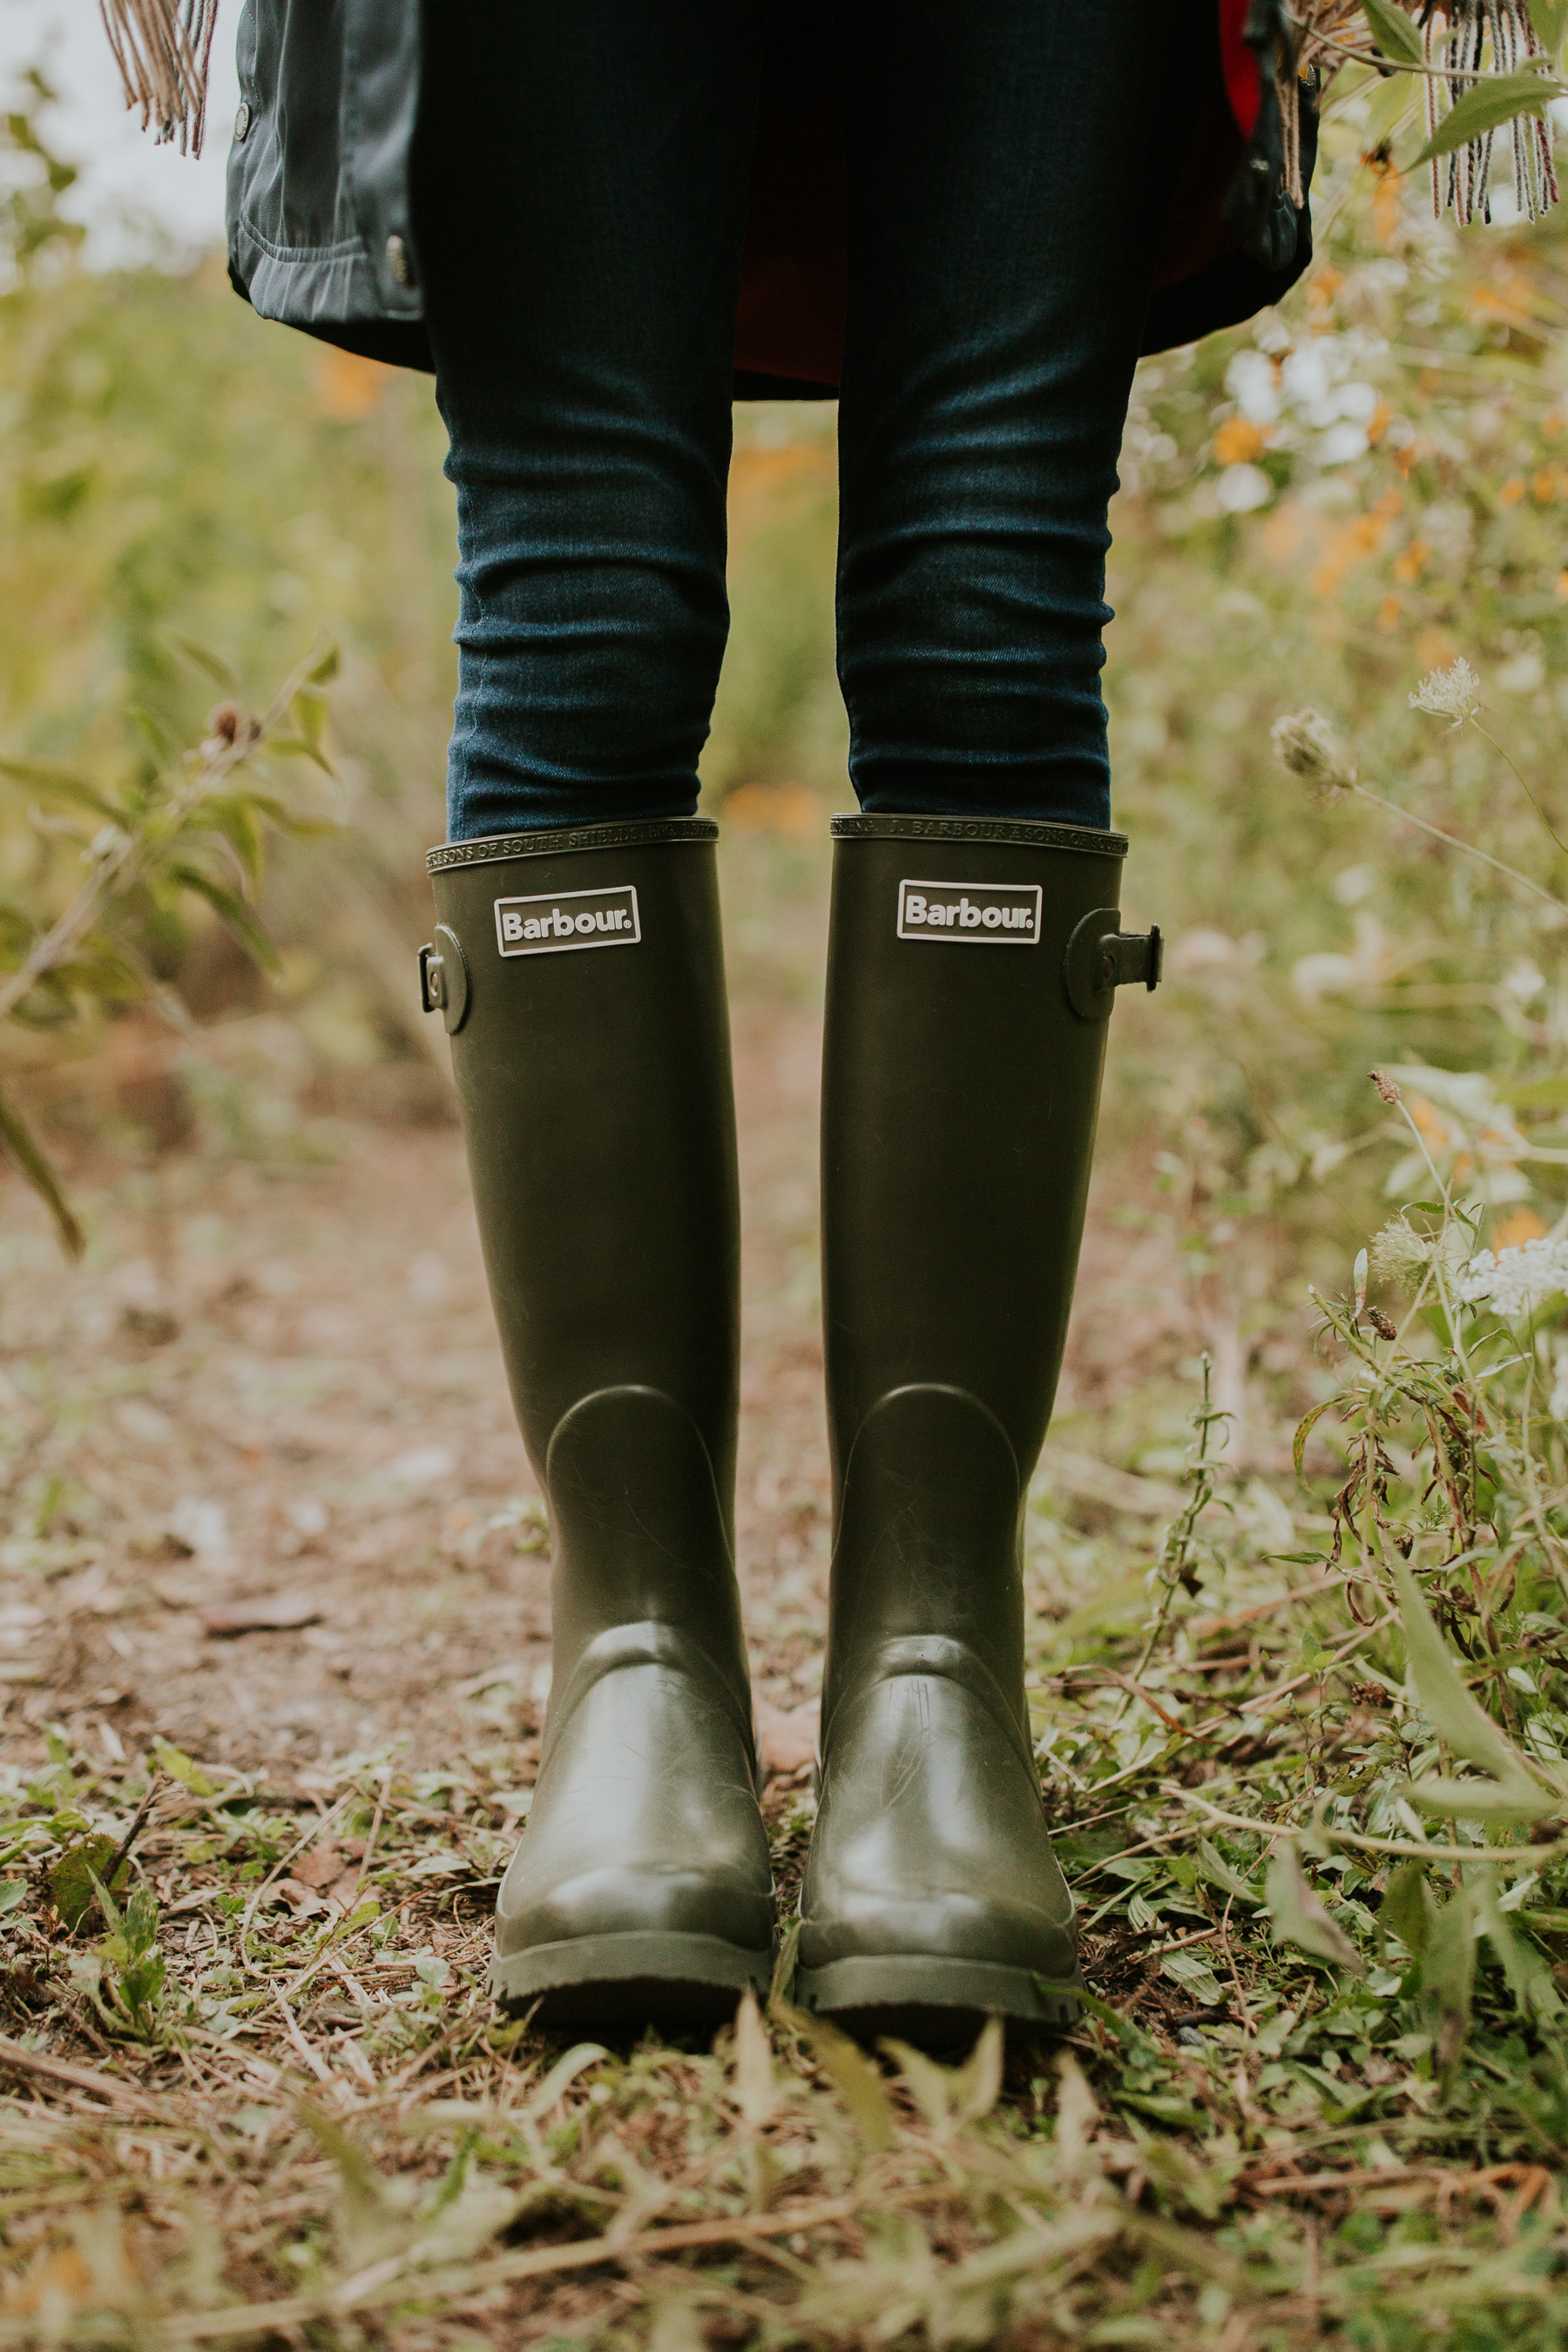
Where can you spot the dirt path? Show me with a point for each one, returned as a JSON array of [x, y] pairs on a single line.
[[279, 1392]]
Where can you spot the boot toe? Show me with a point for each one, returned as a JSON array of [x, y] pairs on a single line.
[[944, 1923], [931, 1882], [643, 1887], [658, 1899]]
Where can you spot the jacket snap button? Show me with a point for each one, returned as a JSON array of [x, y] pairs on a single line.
[[397, 261], [241, 125]]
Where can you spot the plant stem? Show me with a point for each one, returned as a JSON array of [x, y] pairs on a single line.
[[1494, 1857], [1174, 1550], [1524, 788], [1381, 62], [1405, 817]]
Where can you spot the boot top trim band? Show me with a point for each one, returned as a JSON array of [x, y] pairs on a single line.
[[1024, 831], [559, 840]]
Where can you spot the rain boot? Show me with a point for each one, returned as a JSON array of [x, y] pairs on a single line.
[[971, 967], [580, 976]]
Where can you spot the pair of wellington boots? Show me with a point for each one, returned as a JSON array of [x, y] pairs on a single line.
[[971, 967]]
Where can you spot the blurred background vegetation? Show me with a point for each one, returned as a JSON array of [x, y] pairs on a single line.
[[1318, 508], [1318, 512]]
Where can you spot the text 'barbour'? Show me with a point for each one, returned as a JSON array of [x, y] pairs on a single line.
[[981, 914], [555, 924]]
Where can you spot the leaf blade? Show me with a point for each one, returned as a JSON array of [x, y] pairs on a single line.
[[1486, 107], [38, 1169], [852, 2075], [1393, 31], [1515, 1791], [756, 2088], [232, 910], [61, 784], [1302, 1918]]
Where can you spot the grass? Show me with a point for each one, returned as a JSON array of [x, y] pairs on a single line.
[[1318, 2090]]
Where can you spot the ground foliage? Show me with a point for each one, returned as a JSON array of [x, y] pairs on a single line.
[[1321, 2084], [1303, 1739]]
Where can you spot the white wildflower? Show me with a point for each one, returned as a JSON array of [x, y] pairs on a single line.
[[1307, 746], [1454, 694], [1513, 1282], [1241, 489]]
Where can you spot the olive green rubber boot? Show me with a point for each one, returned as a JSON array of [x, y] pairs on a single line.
[[972, 966], [581, 975]]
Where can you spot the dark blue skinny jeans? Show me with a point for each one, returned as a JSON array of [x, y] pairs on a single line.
[[585, 176]]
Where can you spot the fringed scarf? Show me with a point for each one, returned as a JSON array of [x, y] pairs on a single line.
[[1455, 35], [162, 48]]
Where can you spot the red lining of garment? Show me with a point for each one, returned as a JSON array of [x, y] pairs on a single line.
[[791, 318], [1242, 83]]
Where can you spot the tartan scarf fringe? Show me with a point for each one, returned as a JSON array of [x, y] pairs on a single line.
[[1323, 35], [163, 50]]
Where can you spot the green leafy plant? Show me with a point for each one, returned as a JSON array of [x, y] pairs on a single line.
[[32, 225], [73, 1879], [125, 1975], [190, 826]]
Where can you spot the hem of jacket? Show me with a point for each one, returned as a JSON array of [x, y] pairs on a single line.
[[1229, 290], [752, 383], [403, 343], [329, 291]]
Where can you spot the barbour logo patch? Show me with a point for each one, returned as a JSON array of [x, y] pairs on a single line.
[[979, 914], [554, 923]]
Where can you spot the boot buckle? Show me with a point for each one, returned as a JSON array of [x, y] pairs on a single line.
[[444, 979], [1101, 957]]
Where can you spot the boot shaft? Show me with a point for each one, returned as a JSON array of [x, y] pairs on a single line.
[[960, 1093], [591, 1053], [580, 976]]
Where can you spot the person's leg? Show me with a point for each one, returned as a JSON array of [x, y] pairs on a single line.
[[584, 176], [583, 184], [1006, 163], [1004, 160]]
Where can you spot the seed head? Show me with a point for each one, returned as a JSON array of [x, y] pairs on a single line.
[[1306, 745], [1385, 1086], [1454, 694], [1398, 1254]]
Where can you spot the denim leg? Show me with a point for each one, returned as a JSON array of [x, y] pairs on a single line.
[[583, 173], [1005, 163]]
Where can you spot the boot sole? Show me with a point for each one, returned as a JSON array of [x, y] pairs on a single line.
[[932, 2002], [683, 1982]]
